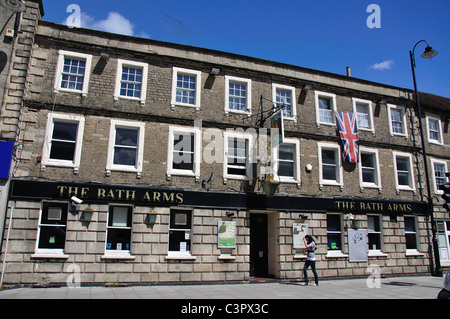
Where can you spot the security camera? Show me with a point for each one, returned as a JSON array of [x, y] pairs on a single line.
[[76, 200]]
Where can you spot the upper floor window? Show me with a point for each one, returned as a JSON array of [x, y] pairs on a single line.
[[284, 96], [184, 153], [330, 170], [238, 93], [325, 108], [126, 147], [439, 169], [73, 72], [63, 141], [397, 120], [287, 161], [186, 87], [369, 168], [131, 80], [238, 155], [403, 170], [363, 110], [434, 130]]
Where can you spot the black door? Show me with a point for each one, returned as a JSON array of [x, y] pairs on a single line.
[[258, 246]]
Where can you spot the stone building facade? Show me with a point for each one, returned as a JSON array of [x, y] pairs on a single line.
[[16, 44], [142, 162]]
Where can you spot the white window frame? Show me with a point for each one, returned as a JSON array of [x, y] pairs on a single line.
[[196, 148], [144, 66], [110, 166], [441, 162], [339, 174], [337, 252], [371, 251], [357, 101], [198, 84], [402, 109], [293, 106], [412, 187], [440, 140], [413, 251], [377, 183], [115, 252], [248, 83], [171, 254], [59, 69], [46, 251], [249, 160], [46, 160], [332, 97], [275, 154]]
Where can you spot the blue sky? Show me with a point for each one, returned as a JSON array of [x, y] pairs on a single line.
[[326, 35]]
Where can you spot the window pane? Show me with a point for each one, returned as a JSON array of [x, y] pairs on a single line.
[[410, 225], [123, 156], [65, 131], [333, 223], [62, 151], [329, 173], [52, 237], [237, 96], [363, 115], [127, 137], [183, 151], [374, 241], [329, 157], [411, 242], [286, 152], [118, 239], [286, 169]]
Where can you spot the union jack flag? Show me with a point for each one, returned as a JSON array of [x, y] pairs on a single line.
[[348, 129]]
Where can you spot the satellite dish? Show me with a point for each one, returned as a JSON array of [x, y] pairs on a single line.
[[13, 5]]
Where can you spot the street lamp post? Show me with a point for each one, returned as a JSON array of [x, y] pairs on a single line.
[[428, 54]]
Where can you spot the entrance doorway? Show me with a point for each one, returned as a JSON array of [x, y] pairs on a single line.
[[259, 250]]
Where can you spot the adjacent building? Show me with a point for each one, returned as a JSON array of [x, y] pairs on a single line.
[[139, 161]]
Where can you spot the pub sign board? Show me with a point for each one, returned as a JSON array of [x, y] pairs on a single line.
[[153, 196]]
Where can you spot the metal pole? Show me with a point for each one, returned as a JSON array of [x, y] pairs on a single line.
[[437, 270]]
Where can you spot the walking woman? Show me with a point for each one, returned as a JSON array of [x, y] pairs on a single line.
[[310, 260]]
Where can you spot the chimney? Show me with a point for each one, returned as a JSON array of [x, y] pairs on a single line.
[[349, 71]]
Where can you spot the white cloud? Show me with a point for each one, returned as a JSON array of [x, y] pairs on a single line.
[[385, 65], [114, 23]]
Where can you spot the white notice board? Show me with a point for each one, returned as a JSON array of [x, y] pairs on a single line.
[[357, 245], [299, 231]]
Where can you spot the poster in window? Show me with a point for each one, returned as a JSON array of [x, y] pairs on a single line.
[[357, 245], [226, 234], [299, 231]]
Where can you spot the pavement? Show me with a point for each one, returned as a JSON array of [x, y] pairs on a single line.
[[413, 287]]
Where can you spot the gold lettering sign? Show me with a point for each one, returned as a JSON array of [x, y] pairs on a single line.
[[104, 193], [374, 206]]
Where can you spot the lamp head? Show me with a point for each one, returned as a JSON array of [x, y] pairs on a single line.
[[429, 53]]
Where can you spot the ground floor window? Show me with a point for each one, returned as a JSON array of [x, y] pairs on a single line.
[[52, 228], [119, 229], [334, 232], [410, 233], [374, 232], [180, 232]]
